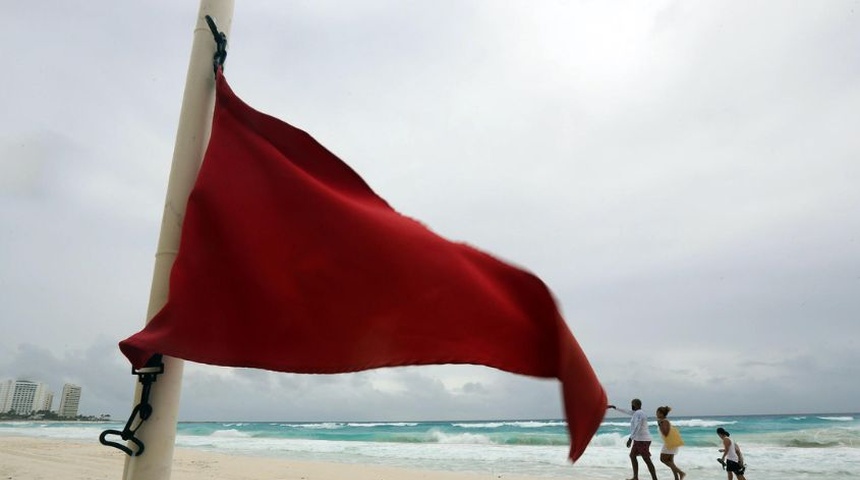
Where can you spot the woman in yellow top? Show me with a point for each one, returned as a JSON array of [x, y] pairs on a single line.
[[671, 441]]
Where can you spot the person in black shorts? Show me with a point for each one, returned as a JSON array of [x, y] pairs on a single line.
[[732, 459]]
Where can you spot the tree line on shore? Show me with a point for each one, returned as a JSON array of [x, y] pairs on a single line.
[[49, 415]]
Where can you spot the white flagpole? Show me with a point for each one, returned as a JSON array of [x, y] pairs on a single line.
[[158, 433]]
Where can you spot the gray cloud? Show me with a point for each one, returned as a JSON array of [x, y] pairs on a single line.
[[681, 175]]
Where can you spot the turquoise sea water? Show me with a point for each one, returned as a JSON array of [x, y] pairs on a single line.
[[820, 446]]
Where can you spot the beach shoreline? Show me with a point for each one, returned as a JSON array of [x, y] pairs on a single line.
[[800, 447], [34, 458]]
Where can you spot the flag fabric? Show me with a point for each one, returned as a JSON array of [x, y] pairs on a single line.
[[288, 261]]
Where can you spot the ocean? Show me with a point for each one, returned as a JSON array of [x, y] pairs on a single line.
[[819, 446]]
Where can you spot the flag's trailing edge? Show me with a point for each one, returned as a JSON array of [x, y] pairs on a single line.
[[288, 261]]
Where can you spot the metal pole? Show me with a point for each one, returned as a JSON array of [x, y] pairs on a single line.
[[195, 122]]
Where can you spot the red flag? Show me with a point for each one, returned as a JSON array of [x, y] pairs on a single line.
[[288, 261]]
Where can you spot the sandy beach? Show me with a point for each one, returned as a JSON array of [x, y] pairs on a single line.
[[27, 458]]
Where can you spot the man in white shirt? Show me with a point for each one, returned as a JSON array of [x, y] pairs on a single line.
[[640, 437]]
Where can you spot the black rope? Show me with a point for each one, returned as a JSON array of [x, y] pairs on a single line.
[[142, 411], [220, 44]]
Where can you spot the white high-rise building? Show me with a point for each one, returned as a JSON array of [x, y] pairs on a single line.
[[46, 403], [69, 401], [28, 397], [6, 389]]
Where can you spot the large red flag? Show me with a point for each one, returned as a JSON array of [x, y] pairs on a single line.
[[288, 261]]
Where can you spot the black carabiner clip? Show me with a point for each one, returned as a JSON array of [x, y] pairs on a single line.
[[131, 453], [143, 410]]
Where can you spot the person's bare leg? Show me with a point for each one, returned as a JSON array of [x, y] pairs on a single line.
[[635, 466], [669, 460], [651, 468], [666, 459]]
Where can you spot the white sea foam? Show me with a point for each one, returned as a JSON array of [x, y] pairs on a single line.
[[701, 423], [616, 424], [479, 425], [518, 424], [838, 419], [536, 424], [231, 433], [315, 426], [614, 439], [691, 422], [82, 431], [382, 424], [460, 438]]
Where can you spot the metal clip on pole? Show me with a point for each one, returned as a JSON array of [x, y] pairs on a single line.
[[146, 376]]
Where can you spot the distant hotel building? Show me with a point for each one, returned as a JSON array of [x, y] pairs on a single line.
[[69, 401], [24, 397], [46, 403], [6, 389]]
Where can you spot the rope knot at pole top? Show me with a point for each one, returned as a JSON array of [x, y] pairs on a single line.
[[220, 44]]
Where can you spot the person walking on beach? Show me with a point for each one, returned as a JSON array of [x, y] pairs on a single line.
[[671, 442], [640, 438], [733, 459]]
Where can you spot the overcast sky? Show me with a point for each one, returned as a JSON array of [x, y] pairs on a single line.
[[683, 175]]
